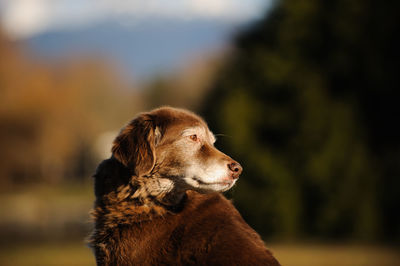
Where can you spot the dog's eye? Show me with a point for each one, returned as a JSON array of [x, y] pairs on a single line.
[[194, 137]]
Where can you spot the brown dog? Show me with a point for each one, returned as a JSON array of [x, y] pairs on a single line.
[[157, 200]]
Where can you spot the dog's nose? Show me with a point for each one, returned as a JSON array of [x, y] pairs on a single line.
[[236, 169]]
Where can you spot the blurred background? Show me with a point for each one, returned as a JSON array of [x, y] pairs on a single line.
[[304, 94]]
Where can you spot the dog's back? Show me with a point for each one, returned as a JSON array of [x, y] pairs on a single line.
[[207, 230]]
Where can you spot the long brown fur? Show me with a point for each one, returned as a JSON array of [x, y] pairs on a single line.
[[141, 218]]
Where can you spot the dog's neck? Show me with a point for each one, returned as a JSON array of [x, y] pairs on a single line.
[[142, 198], [156, 189], [138, 198]]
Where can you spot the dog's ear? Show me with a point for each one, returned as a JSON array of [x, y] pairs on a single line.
[[134, 147]]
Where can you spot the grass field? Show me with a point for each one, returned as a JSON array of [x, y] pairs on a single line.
[[46, 254], [293, 254], [335, 255]]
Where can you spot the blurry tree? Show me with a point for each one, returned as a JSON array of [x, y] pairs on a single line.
[[310, 100], [187, 87], [51, 114]]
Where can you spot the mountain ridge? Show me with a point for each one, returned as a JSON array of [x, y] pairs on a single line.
[[143, 49]]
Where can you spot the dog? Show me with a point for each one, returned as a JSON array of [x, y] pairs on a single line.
[[159, 201]]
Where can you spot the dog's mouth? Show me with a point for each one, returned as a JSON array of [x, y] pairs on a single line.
[[221, 186], [224, 182]]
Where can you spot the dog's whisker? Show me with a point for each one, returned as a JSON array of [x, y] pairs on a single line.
[[222, 135]]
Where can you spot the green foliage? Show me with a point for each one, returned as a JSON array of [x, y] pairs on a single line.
[[310, 100]]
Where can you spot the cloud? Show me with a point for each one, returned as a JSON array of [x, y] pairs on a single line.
[[23, 18]]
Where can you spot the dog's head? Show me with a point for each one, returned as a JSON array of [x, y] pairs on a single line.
[[175, 144]]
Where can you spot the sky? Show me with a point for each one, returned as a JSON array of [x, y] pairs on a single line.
[[26, 18]]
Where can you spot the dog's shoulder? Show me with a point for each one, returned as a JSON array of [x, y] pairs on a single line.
[[215, 213], [212, 204], [216, 230]]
